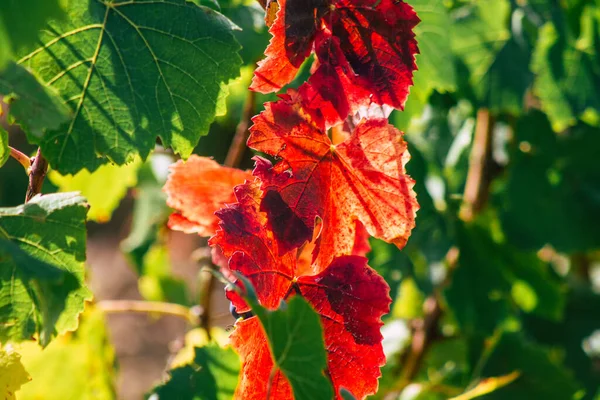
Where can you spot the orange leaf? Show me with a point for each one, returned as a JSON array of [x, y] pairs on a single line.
[[196, 189]]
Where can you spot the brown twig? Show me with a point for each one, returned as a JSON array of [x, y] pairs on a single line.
[[238, 144], [39, 168], [480, 164], [148, 307], [22, 158], [206, 280]]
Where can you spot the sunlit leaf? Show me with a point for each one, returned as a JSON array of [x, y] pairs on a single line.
[[88, 357], [130, 71], [103, 189], [12, 373], [43, 241]]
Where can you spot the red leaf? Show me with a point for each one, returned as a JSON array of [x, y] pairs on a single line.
[[361, 179], [348, 295], [365, 51], [196, 189]]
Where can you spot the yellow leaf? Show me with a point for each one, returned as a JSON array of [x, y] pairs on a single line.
[[12, 373], [103, 188], [488, 385]]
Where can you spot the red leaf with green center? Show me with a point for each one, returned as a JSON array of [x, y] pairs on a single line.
[[364, 49], [348, 295], [196, 189], [361, 179]]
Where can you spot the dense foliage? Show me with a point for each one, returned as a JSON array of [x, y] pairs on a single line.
[[415, 215]]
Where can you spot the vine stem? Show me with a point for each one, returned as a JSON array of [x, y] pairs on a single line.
[[39, 168], [206, 281], [479, 177], [148, 307], [22, 158], [480, 163]]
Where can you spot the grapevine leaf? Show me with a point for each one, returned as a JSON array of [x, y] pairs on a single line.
[[27, 283], [541, 377], [211, 375], [365, 173], [103, 188], [253, 36], [567, 75], [295, 345], [51, 230], [435, 61], [32, 105], [365, 52], [559, 167], [130, 71], [348, 295], [20, 22], [489, 274], [4, 150], [156, 282], [581, 320], [496, 58], [87, 355], [12, 373], [150, 214], [196, 189]]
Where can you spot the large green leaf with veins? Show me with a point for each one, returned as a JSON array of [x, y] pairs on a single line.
[[131, 71], [42, 254]]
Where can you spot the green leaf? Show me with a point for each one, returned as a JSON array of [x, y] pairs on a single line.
[[553, 187], [12, 373], [295, 337], [253, 36], [492, 277], [567, 336], [32, 294], [20, 22], [567, 75], [212, 375], [495, 54], [157, 282], [33, 106], [4, 150], [75, 366], [541, 376], [435, 61], [104, 188], [150, 214], [130, 71], [50, 230]]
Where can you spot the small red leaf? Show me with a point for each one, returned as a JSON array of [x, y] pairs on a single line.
[[196, 189], [361, 179], [364, 48]]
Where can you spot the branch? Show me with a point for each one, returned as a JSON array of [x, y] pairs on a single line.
[[480, 163], [23, 159], [148, 307], [39, 168], [238, 144]]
